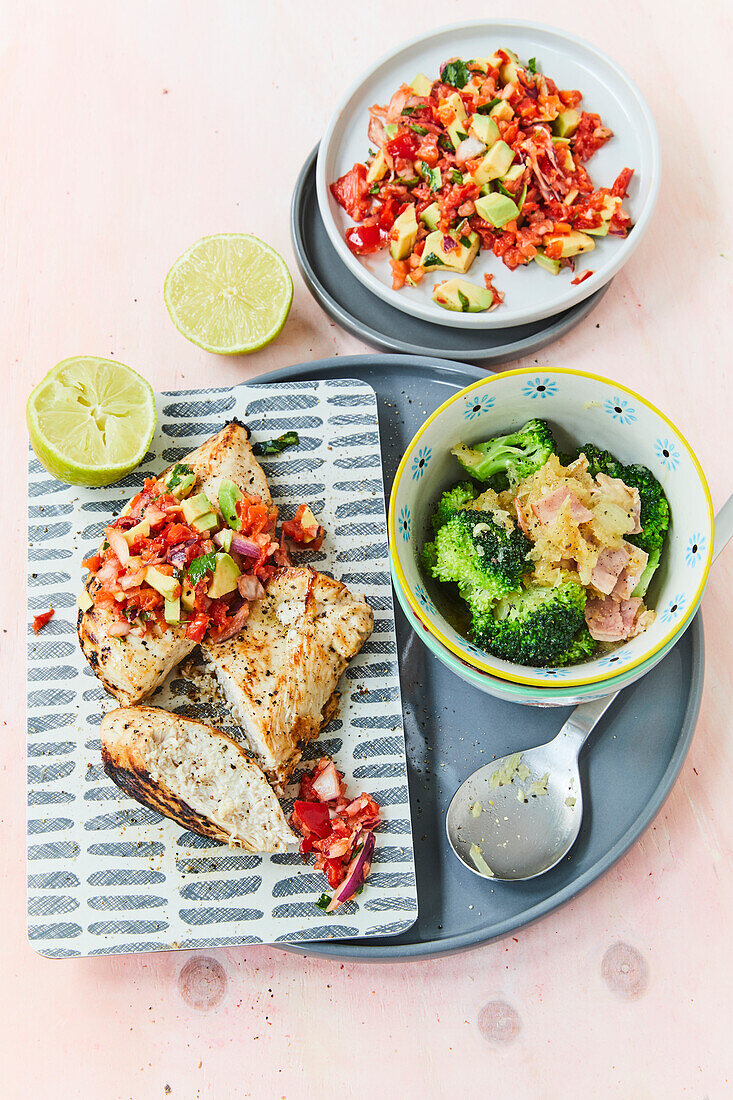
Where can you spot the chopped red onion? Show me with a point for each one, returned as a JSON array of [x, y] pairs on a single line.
[[356, 874], [328, 786], [244, 546], [470, 147]]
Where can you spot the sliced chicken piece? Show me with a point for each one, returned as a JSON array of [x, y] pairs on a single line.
[[131, 668], [609, 567], [280, 673], [549, 505], [195, 775]]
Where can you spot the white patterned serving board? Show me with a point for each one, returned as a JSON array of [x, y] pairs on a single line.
[[106, 875]]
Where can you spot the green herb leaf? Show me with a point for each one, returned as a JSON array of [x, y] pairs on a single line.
[[456, 176], [532, 64], [177, 474], [418, 129], [428, 261], [465, 304], [407, 111], [461, 135], [465, 241], [486, 108], [199, 567], [502, 189], [456, 74], [323, 902], [276, 446], [445, 143], [522, 197], [374, 189]]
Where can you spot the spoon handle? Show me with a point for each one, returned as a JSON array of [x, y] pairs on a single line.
[[582, 721]]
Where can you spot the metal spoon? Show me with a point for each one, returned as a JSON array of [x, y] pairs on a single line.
[[518, 816]]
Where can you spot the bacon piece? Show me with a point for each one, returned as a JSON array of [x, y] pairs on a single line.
[[610, 565], [548, 507]]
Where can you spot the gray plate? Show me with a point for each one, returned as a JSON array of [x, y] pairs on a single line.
[[360, 312], [627, 770]]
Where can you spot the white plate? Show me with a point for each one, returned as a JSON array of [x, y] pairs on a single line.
[[108, 876], [531, 293]]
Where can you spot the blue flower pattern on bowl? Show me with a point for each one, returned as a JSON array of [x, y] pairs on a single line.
[[473, 406], [674, 608], [424, 599], [620, 409], [695, 549], [610, 661], [405, 524], [539, 387], [667, 453], [420, 462]]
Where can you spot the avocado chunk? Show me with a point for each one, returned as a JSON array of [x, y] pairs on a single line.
[[422, 85], [566, 123], [462, 297], [226, 574], [390, 130], [196, 506], [495, 164], [180, 480], [514, 173], [403, 233], [431, 215], [455, 101], [502, 112], [497, 209], [229, 494], [224, 539], [508, 72], [485, 129], [553, 266], [456, 259], [457, 131], [140, 529], [377, 168], [168, 587], [172, 610], [207, 522], [187, 597], [572, 243]]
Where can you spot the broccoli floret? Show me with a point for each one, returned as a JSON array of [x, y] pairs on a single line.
[[479, 555], [509, 457], [582, 648], [539, 626], [654, 518], [451, 501]]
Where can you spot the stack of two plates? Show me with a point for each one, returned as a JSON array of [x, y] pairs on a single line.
[[539, 307]]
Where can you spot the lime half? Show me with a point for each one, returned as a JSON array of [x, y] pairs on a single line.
[[91, 420], [229, 293]]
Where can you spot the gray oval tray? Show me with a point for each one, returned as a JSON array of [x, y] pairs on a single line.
[[360, 312], [627, 769]]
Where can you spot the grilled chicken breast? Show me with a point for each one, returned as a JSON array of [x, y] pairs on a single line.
[[195, 775], [131, 668], [280, 673]]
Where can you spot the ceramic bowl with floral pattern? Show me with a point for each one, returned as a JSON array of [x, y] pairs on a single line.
[[579, 408]]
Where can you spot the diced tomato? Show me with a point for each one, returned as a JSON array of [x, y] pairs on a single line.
[[314, 816], [197, 627], [428, 150], [581, 278], [621, 183], [39, 621], [403, 144], [365, 239], [93, 562], [351, 192], [334, 869]]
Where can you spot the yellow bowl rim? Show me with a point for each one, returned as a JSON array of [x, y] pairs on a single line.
[[414, 604]]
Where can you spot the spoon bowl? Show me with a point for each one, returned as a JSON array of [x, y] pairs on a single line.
[[518, 816]]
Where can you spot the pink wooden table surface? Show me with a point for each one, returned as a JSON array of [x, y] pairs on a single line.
[[129, 130]]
